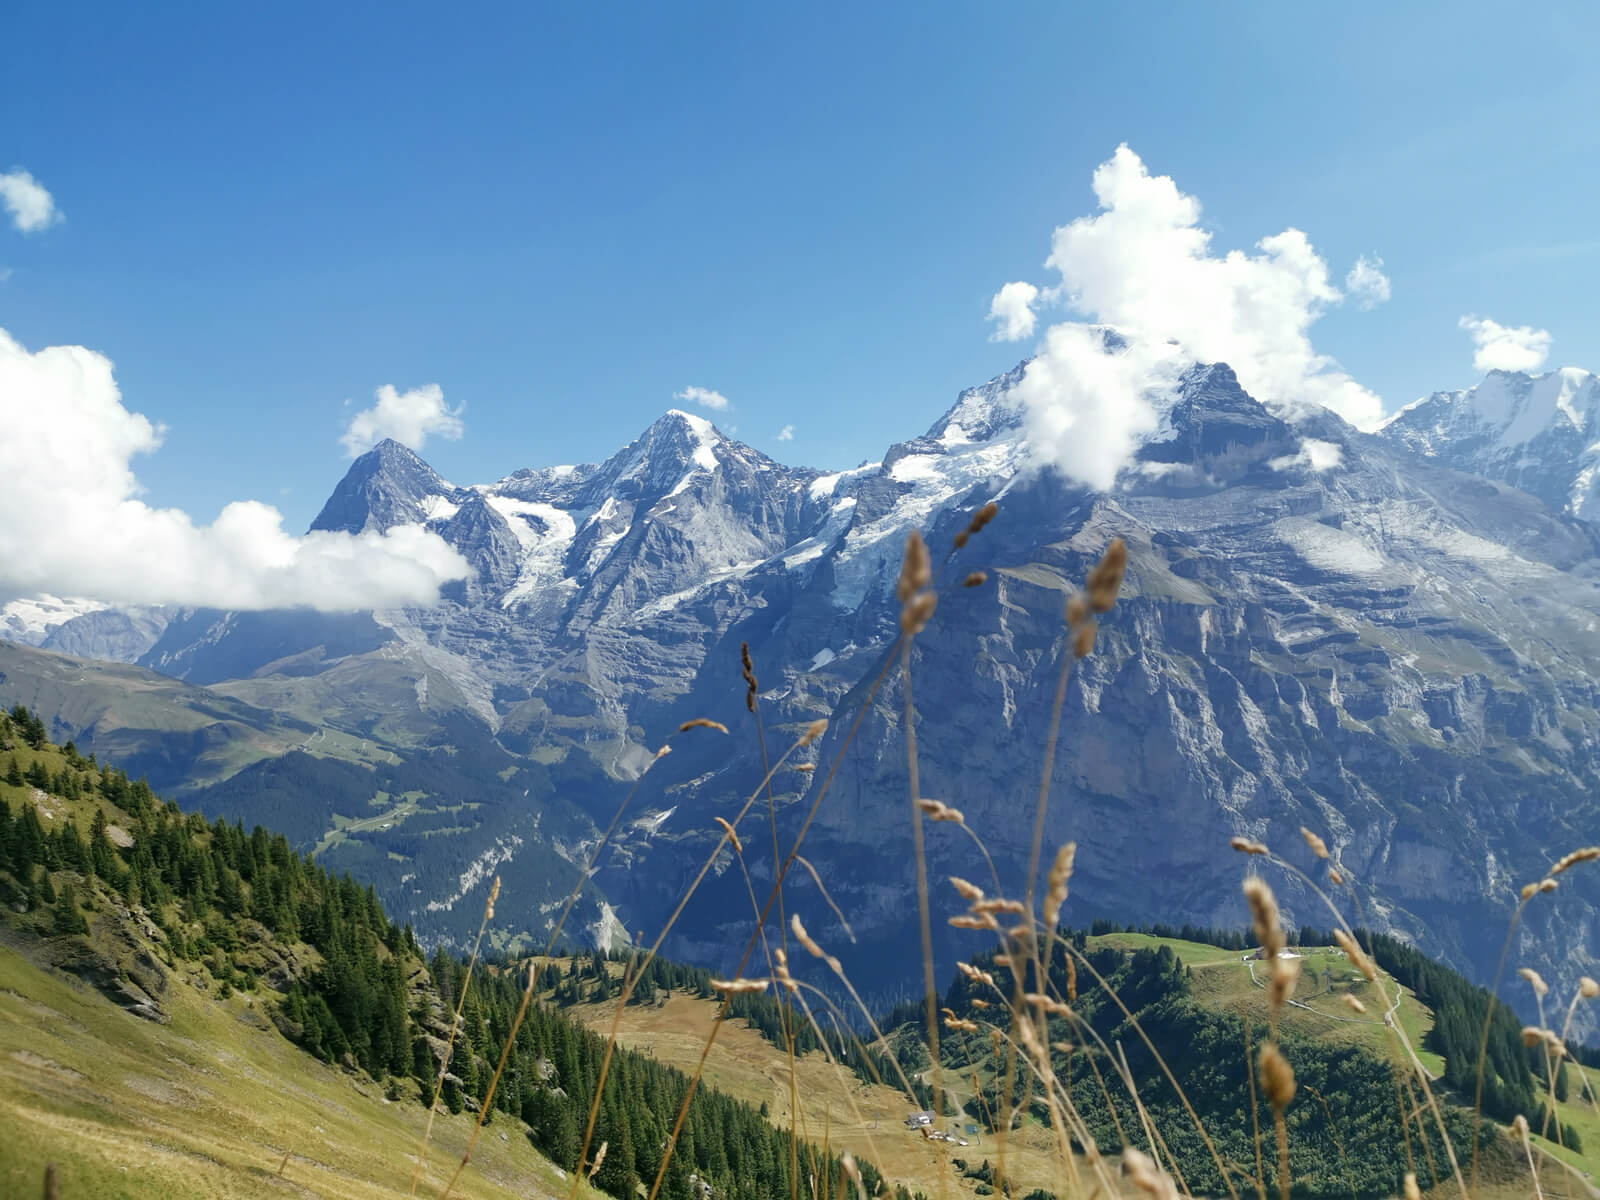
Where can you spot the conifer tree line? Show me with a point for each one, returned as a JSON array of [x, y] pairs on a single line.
[[209, 886], [199, 884], [550, 1081]]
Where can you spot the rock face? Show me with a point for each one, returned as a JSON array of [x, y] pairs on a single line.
[[1389, 639], [1535, 432]]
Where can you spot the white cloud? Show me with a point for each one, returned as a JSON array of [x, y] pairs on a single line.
[[1086, 409], [1313, 453], [1366, 283], [410, 418], [1504, 348], [704, 397], [32, 208], [1144, 267], [1011, 310], [786, 434], [75, 528]]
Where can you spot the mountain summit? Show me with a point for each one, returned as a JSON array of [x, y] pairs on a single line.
[[1539, 433], [388, 485]]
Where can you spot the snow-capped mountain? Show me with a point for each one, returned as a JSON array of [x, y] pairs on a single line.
[[1539, 433], [1376, 636]]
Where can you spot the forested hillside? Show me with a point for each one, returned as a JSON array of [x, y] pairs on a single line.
[[102, 880]]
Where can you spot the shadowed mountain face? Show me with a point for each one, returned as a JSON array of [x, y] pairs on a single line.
[[1376, 638]]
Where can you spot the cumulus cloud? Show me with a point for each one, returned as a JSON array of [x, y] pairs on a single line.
[[410, 418], [786, 434], [32, 208], [1313, 453], [76, 528], [1366, 283], [704, 397], [1504, 348], [1144, 267], [1011, 310]]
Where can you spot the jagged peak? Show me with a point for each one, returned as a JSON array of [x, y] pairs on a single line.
[[675, 416], [383, 487], [1516, 406]]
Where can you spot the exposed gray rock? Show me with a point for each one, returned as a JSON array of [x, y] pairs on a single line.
[[1377, 637]]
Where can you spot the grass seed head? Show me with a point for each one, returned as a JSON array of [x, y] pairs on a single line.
[[976, 579], [975, 974], [1588, 988], [734, 987], [1353, 1004], [968, 891], [847, 1164], [1535, 980], [1105, 581], [804, 938], [1083, 639], [1143, 1173], [961, 538], [918, 611], [1060, 876], [1280, 984], [1318, 846], [747, 669], [1077, 610], [1353, 951], [738, 846], [1277, 1076], [813, 731], [1264, 915], [702, 723], [1413, 1192], [980, 920], [599, 1158], [1585, 854], [916, 568], [1246, 846]]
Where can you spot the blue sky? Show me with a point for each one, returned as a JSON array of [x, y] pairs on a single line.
[[563, 215]]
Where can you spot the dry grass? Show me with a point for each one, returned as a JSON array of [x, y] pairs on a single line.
[[744, 1064], [206, 1107]]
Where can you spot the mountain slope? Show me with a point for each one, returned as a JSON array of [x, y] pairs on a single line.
[[1319, 628], [212, 950]]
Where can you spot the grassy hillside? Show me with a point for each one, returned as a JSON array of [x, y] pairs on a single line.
[[209, 1105], [190, 1010], [1344, 1058]]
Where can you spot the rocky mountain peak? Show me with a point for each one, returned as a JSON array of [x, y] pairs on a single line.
[[676, 446], [388, 485], [1535, 432]]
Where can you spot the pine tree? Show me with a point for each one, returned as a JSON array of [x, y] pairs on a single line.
[[68, 920]]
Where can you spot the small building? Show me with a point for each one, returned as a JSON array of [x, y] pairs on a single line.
[[920, 1120]]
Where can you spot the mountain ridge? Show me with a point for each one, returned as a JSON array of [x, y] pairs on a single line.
[[1322, 628]]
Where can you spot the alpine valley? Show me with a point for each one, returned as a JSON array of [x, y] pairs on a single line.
[[1392, 639]]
